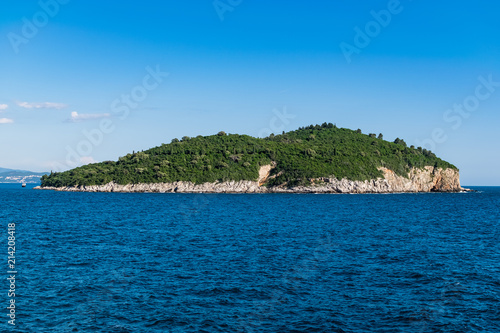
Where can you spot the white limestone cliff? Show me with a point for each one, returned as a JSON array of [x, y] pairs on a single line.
[[428, 179]]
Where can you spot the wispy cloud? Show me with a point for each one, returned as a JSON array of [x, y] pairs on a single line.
[[3, 106], [6, 121], [63, 165], [42, 105], [77, 117], [87, 160]]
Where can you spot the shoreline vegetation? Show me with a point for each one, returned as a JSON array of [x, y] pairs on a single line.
[[313, 159]]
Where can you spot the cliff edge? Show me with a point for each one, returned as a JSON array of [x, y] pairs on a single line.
[[428, 179]]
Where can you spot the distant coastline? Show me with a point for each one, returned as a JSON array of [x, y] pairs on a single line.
[[10, 176]]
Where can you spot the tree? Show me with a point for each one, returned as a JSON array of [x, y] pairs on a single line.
[[381, 136], [174, 140], [221, 133], [358, 131], [399, 141], [310, 152], [372, 135]]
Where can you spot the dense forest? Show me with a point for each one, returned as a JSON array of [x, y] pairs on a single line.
[[301, 155]]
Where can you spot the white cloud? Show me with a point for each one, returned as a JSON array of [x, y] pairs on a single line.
[[76, 117], [87, 160], [43, 105], [3, 106], [64, 165], [6, 121]]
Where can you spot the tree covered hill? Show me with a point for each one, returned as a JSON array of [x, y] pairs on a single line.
[[309, 152]]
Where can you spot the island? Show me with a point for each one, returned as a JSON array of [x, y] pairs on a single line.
[[313, 159]]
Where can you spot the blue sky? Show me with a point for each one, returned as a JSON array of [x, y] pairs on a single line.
[[424, 71]]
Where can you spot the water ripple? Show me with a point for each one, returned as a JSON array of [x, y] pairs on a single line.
[[111, 262]]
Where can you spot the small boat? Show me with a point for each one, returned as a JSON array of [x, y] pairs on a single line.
[[24, 185]]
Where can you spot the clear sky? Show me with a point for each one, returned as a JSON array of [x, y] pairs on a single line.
[[85, 81]]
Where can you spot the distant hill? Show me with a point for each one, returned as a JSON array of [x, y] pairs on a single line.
[[298, 157], [20, 176]]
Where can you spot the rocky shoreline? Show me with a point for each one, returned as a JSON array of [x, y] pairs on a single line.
[[428, 179]]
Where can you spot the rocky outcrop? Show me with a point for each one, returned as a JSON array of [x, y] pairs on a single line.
[[264, 173], [428, 179]]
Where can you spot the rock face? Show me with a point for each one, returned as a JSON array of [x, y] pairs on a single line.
[[428, 179], [264, 173]]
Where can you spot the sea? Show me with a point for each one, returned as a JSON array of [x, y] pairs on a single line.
[[146, 262]]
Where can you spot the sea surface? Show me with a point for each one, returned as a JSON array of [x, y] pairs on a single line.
[[112, 262]]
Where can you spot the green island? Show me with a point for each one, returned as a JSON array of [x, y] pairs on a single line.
[[298, 157]]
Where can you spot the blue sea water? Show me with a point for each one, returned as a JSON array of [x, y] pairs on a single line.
[[111, 262]]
